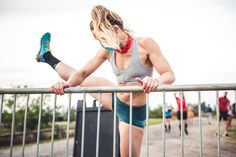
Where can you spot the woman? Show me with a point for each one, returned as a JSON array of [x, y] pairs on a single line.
[[182, 109], [168, 117], [230, 117], [132, 60], [208, 112], [190, 114]]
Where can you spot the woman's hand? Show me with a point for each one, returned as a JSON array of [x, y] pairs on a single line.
[[59, 87], [148, 84]]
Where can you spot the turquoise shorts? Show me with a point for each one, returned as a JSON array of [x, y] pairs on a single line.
[[123, 110]]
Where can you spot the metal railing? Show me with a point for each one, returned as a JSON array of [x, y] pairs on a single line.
[[163, 88]]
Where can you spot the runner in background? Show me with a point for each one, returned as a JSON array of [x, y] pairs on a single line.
[[185, 116], [168, 116]]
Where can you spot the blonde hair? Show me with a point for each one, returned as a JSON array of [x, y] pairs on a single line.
[[102, 24]]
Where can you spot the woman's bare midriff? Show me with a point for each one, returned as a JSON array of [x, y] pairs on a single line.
[[139, 98]]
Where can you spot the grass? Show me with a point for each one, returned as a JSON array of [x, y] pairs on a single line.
[[64, 124], [153, 121]]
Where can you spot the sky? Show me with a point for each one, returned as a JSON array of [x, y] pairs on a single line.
[[197, 37]]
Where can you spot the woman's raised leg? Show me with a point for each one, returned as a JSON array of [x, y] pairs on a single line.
[[64, 71]]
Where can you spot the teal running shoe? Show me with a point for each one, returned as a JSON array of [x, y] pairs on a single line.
[[44, 47]]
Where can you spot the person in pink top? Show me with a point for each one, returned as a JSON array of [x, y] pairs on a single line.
[[184, 109], [224, 104]]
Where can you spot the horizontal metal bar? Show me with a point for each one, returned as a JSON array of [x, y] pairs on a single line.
[[105, 89]]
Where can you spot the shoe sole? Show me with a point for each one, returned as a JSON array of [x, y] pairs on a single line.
[[38, 57]]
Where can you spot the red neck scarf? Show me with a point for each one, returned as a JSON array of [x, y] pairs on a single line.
[[127, 46]]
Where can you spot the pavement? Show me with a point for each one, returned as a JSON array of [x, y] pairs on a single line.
[[191, 144], [172, 144]]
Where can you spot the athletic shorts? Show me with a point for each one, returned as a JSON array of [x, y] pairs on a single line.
[[167, 117], [185, 116], [123, 110], [224, 115]]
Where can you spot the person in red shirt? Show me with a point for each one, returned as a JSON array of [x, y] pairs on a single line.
[[185, 116], [224, 104]]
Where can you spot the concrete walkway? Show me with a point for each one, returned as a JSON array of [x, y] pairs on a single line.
[[191, 142], [173, 144]]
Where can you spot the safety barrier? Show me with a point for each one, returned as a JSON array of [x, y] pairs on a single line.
[[163, 88]]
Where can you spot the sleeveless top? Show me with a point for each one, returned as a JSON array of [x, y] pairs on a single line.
[[135, 68]]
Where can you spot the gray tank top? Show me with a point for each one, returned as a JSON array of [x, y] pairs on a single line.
[[134, 69]]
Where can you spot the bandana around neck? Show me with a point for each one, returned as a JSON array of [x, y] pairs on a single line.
[[127, 46]]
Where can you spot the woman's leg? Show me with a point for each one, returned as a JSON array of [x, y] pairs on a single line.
[[229, 123], [137, 137], [186, 126], [64, 71], [168, 125]]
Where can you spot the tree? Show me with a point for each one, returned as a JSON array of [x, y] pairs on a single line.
[[156, 113]]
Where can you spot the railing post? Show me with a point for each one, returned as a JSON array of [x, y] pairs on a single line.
[[200, 123], [53, 125], [218, 124], [39, 123], [98, 125], [163, 125], [68, 126], [235, 100], [13, 125], [25, 121], [182, 122], [147, 125], [114, 125], [130, 124], [83, 125], [1, 109]]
